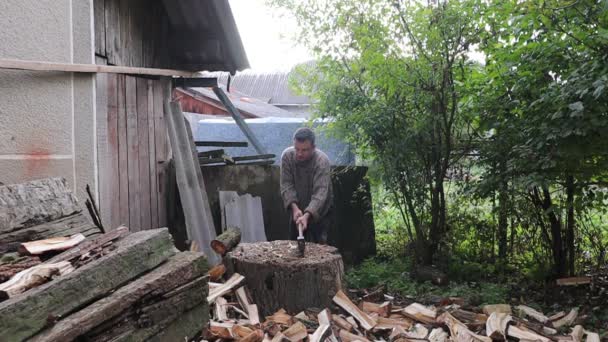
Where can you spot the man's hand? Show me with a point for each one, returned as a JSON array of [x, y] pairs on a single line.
[[296, 212], [303, 220]]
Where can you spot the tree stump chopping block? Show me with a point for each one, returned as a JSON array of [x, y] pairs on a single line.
[[277, 278]]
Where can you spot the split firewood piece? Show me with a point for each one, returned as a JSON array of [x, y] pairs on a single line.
[[498, 308], [256, 336], [213, 285], [216, 272], [577, 333], [233, 282], [420, 313], [459, 330], [49, 245], [324, 329], [397, 333], [252, 312], [279, 337], [32, 277], [221, 314], [302, 316], [221, 330], [522, 334], [345, 303], [88, 246], [352, 322], [438, 335], [296, 332], [592, 337], [470, 318], [242, 298], [266, 338], [567, 320], [281, 317], [557, 316], [383, 310], [346, 336], [341, 323], [573, 281], [548, 331], [389, 324], [240, 331], [530, 312], [496, 325], [418, 332], [14, 266], [226, 241]]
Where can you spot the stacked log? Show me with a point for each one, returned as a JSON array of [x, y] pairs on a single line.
[[67, 282]]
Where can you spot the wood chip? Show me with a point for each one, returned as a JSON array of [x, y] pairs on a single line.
[[577, 333], [345, 303]]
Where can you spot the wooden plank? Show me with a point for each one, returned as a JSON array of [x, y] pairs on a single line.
[[123, 167], [238, 118], [181, 269], [221, 143], [161, 92], [99, 25], [103, 146], [192, 192], [112, 34], [23, 316], [15, 64], [111, 179], [573, 281], [144, 153], [152, 157], [133, 154]]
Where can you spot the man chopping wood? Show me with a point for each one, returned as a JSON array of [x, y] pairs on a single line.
[[306, 187]]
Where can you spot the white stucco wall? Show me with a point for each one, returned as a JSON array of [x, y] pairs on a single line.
[[47, 119]]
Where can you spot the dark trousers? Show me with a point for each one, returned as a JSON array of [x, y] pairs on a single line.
[[316, 232]]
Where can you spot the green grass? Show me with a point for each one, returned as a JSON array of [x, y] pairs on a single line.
[[395, 275]]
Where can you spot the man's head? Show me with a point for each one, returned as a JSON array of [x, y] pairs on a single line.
[[304, 143]]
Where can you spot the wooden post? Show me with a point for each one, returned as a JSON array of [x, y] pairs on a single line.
[[238, 118]]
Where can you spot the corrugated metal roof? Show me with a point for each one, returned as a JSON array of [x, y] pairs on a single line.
[[271, 87], [249, 104]]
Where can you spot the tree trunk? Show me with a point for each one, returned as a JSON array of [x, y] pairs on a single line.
[[556, 235], [503, 206], [277, 278], [570, 249]]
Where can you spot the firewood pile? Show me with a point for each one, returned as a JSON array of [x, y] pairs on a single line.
[[62, 279], [235, 317]]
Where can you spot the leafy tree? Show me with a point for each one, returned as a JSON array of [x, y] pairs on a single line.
[[391, 74]]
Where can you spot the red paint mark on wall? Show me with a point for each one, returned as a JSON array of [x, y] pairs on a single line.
[[36, 162]]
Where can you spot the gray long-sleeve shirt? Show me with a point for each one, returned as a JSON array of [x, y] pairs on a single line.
[[307, 183]]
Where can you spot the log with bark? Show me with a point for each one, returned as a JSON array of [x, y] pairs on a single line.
[[217, 272], [277, 278], [23, 316], [39, 210], [167, 291], [226, 241]]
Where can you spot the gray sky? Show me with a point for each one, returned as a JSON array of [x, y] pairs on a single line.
[[266, 37]]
